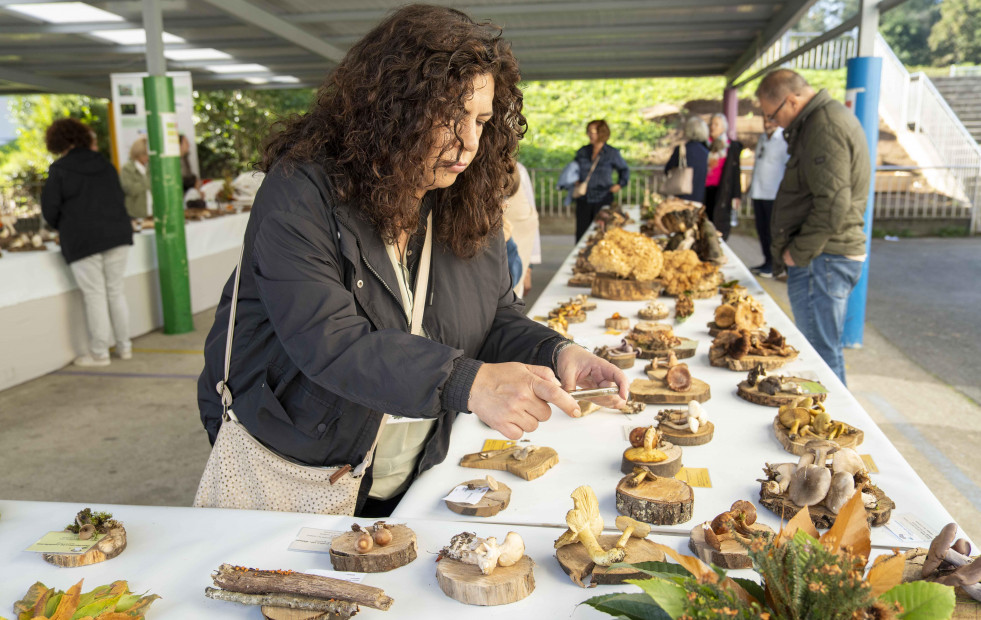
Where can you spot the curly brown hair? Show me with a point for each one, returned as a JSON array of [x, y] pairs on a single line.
[[66, 134], [372, 124]]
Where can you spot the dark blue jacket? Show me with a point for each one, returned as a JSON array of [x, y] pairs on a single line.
[[602, 179], [696, 155]]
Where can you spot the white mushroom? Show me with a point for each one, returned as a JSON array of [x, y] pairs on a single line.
[[869, 500], [848, 461], [784, 471], [842, 489], [469, 549], [512, 550], [695, 410]]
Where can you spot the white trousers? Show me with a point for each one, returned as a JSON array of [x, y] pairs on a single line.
[[100, 278]]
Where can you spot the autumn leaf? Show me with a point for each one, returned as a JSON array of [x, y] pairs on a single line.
[[800, 521], [69, 603], [850, 530], [886, 572]]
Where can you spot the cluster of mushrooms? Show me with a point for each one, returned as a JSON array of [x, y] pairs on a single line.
[[948, 562], [518, 453], [738, 343], [645, 446], [571, 311], [377, 534], [678, 377], [622, 356], [586, 525], [656, 337], [771, 384], [734, 524], [485, 553], [654, 311], [690, 419], [810, 481], [739, 311], [684, 307], [807, 418]]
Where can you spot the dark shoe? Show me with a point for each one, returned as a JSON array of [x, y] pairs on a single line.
[[764, 273], [760, 268]]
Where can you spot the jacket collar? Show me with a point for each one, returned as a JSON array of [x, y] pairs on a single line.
[[818, 101]]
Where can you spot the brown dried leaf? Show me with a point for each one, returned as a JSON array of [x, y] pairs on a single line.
[[886, 572], [800, 521], [850, 530], [69, 603]]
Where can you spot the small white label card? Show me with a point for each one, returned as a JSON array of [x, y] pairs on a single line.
[[910, 528], [314, 539], [337, 574], [462, 495]]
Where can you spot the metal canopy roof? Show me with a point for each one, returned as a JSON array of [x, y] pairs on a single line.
[[553, 39]]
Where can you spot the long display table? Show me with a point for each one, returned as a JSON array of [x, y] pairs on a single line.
[[590, 448]]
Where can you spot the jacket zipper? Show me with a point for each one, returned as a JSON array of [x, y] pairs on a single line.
[[385, 284]]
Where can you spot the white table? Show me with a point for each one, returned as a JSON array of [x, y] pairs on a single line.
[[172, 552], [41, 308], [590, 448]]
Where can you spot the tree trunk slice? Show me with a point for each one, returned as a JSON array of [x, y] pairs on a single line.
[[285, 613], [656, 392], [683, 351], [537, 463], [620, 360], [755, 396], [668, 467], [582, 280], [402, 550], [851, 438], [748, 362], [106, 549], [733, 554], [465, 583], [489, 505], [621, 322], [664, 501], [704, 293], [607, 287], [687, 438], [965, 607], [575, 561], [823, 518]]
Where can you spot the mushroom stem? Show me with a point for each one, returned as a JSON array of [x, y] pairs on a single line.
[[622, 541]]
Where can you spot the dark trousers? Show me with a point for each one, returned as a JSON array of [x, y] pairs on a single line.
[[719, 215], [763, 209], [585, 214]]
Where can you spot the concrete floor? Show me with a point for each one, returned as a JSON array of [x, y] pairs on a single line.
[[130, 434]]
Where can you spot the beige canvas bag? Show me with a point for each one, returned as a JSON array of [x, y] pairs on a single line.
[[243, 473], [681, 180]]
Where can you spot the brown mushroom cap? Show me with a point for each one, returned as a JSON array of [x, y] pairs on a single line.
[[722, 523], [966, 575], [678, 378], [962, 546], [745, 511], [86, 532], [725, 315], [938, 549], [710, 538], [739, 347], [637, 436]]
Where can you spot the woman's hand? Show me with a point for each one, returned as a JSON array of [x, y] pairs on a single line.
[[579, 368], [513, 398], [615, 189]]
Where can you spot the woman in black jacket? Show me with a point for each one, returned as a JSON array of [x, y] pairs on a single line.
[[84, 202], [423, 116], [696, 157], [723, 187]]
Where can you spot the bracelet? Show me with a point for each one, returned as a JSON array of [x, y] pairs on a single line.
[[558, 349]]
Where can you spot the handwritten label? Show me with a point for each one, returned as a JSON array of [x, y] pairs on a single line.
[[462, 495], [695, 476], [314, 539], [870, 464], [496, 444], [64, 542]]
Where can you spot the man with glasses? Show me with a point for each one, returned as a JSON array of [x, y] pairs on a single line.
[[819, 209]]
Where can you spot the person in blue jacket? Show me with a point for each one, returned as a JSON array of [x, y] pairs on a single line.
[[597, 161]]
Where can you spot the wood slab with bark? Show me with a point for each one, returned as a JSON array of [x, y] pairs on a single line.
[[851, 438], [748, 362], [285, 613], [611, 287], [657, 392], [678, 437], [663, 501], [575, 561], [733, 553], [489, 505], [965, 607], [533, 466], [252, 581], [111, 545], [400, 551], [279, 604], [465, 583], [823, 518], [668, 467], [753, 394], [684, 350]]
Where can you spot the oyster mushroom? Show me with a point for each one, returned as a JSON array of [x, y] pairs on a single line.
[[630, 527], [961, 546], [938, 549], [966, 577], [820, 448], [783, 473], [842, 489], [848, 461], [512, 550], [809, 485]]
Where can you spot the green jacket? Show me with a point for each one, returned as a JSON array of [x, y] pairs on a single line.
[[820, 206], [135, 185]]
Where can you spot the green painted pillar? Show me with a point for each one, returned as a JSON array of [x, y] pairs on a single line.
[[168, 204]]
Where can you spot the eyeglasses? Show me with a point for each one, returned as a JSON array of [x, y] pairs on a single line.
[[773, 117]]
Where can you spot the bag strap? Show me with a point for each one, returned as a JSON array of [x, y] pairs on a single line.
[[682, 157], [223, 391], [595, 161]]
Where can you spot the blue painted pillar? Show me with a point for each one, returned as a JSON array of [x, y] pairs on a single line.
[[862, 97]]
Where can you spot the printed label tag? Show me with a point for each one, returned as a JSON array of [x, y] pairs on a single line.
[[314, 539], [695, 476], [496, 444], [462, 495], [910, 528], [870, 463], [64, 542]]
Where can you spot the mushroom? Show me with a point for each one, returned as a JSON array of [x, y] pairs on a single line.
[[639, 475], [469, 549], [847, 460], [739, 347], [86, 531], [809, 485], [647, 453], [512, 550], [491, 483], [365, 541], [381, 534], [744, 515], [962, 546], [938, 549], [842, 489], [791, 417], [820, 448], [524, 453], [725, 316], [757, 374], [966, 577], [630, 527], [769, 385], [710, 537], [637, 436], [783, 472], [584, 499], [578, 523], [678, 378]]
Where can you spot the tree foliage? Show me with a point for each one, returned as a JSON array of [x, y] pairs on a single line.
[[956, 37], [907, 30]]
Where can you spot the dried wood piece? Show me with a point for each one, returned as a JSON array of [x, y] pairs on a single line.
[[752, 393], [575, 561], [851, 438], [379, 559], [342, 609], [490, 504], [656, 391], [733, 553], [252, 581], [781, 505], [662, 501], [465, 583], [528, 462]]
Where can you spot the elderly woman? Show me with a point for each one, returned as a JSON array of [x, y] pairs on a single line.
[[723, 188], [696, 157], [597, 161], [409, 142], [135, 179]]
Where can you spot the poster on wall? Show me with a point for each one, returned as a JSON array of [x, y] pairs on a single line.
[[129, 113]]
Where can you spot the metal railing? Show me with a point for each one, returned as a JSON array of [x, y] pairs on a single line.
[[831, 54], [969, 71]]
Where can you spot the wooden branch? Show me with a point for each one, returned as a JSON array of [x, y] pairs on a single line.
[[344, 609], [251, 581]]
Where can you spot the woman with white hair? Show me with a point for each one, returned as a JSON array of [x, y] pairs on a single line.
[[135, 179], [723, 189], [696, 156]]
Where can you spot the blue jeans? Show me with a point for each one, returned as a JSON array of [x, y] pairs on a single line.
[[819, 298]]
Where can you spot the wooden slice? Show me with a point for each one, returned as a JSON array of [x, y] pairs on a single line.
[[657, 392], [687, 438], [582, 280], [402, 550], [684, 350], [489, 505], [620, 360], [285, 613], [621, 322], [465, 582], [664, 501], [752, 393], [668, 467], [851, 438], [534, 466], [608, 287], [823, 518], [575, 561], [106, 549], [733, 554], [704, 293], [748, 362]]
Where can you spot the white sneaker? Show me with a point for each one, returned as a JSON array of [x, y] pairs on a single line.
[[88, 360], [126, 354]]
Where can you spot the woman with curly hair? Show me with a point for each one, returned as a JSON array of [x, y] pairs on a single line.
[[84, 201], [412, 135]]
